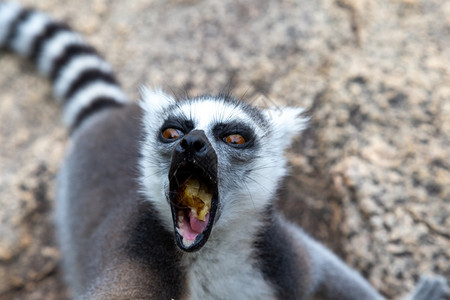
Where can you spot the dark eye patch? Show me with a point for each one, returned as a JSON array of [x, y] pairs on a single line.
[[230, 132], [182, 125]]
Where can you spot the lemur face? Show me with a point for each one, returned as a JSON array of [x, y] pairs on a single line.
[[214, 160]]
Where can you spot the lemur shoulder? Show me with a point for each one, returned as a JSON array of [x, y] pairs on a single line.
[[173, 198]]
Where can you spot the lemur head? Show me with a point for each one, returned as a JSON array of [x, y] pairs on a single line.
[[212, 161]]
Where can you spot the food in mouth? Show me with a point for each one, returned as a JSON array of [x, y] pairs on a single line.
[[195, 196], [193, 202]]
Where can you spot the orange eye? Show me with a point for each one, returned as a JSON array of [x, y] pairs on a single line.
[[235, 139], [171, 133]]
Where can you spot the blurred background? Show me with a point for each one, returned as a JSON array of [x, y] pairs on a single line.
[[370, 177]]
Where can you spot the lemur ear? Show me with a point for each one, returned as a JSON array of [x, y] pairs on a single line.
[[287, 122], [154, 101]]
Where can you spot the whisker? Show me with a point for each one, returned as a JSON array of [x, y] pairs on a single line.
[[154, 174], [261, 185], [249, 194]]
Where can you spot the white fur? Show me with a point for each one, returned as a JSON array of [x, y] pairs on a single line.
[[154, 184], [55, 47], [286, 122], [226, 265], [207, 111], [73, 68], [8, 12], [83, 98], [27, 30], [153, 103]]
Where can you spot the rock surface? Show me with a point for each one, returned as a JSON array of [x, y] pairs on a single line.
[[370, 177]]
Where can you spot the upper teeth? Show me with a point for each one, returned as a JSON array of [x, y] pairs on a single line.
[[180, 217]]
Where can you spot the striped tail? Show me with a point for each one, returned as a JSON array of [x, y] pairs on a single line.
[[81, 78]]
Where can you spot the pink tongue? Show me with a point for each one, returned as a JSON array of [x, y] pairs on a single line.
[[197, 225]]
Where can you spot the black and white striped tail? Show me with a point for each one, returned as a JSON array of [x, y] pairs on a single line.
[[81, 79]]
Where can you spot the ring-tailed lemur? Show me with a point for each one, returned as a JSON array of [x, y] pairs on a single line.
[[172, 199]]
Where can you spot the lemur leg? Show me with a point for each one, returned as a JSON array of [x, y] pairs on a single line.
[[431, 288], [332, 278]]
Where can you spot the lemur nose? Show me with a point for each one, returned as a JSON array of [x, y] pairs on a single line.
[[194, 143]]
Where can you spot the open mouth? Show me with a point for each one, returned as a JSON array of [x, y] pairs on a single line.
[[193, 199]]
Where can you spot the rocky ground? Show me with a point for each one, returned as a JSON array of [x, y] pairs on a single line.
[[370, 177]]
